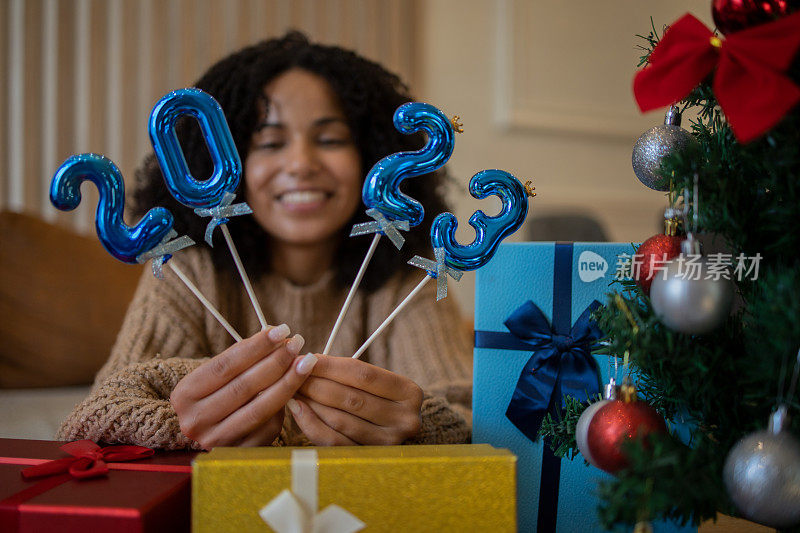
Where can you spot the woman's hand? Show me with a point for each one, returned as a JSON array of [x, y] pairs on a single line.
[[347, 402], [237, 397]]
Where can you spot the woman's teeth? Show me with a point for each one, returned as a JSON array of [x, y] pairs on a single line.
[[302, 197]]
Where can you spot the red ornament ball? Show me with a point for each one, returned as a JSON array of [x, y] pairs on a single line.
[[615, 423], [731, 16], [653, 254]]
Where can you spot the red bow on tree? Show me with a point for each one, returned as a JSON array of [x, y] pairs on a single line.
[[749, 83], [88, 460]]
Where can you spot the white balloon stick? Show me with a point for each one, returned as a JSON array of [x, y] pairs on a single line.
[[394, 313], [352, 293], [208, 305], [243, 275]]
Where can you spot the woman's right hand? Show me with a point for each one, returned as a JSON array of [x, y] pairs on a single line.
[[237, 397]]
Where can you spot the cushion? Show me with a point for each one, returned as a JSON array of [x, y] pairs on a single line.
[[62, 300]]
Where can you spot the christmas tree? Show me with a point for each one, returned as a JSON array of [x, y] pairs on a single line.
[[715, 381]]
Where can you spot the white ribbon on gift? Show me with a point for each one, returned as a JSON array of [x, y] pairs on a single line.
[[295, 511]]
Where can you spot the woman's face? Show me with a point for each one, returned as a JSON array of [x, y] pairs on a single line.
[[303, 171]]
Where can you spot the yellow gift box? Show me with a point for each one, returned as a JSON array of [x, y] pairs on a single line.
[[467, 487]]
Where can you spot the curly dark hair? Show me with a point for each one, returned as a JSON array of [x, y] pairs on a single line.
[[369, 95]]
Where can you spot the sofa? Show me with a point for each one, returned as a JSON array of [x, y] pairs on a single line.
[[62, 300]]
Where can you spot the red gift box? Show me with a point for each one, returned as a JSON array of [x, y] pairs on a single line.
[[150, 494]]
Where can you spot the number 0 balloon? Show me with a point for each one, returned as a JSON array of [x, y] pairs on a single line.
[[227, 165], [213, 196]]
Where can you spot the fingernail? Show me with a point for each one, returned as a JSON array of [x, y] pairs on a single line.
[[295, 344], [306, 364], [278, 333], [293, 406]]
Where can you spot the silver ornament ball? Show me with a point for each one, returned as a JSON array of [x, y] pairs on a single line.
[[687, 298], [582, 430], [762, 476], [656, 143]]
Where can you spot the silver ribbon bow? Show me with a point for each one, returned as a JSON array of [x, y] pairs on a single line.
[[437, 269], [384, 225], [295, 511], [163, 251], [219, 215]]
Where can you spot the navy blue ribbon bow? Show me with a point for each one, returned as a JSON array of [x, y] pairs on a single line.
[[560, 365]]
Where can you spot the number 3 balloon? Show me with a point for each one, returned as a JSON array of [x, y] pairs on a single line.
[[489, 231]]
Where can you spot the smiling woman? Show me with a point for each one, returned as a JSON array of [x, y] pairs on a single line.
[[308, 121], [303, 173]]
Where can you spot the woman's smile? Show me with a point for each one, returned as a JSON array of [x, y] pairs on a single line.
[[303, 200]]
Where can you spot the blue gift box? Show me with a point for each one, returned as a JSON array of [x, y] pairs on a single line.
[[562, 280]]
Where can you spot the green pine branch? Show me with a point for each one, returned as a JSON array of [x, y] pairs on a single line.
[[559, 431]]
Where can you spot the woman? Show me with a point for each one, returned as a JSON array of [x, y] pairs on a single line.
[[308, 122]]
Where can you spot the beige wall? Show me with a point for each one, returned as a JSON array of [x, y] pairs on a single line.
[[543, 90]]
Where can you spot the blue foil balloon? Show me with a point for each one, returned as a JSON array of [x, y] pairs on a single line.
[[227, 165], [121, 241], [382, 185], [489, 231]]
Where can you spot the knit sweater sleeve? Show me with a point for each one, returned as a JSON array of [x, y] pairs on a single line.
[[132, 407], [430, 344]]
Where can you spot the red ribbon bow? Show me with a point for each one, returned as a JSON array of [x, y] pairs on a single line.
[[749, 83], [88, 460]]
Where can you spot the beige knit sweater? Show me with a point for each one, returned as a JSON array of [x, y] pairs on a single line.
[[167, 333]]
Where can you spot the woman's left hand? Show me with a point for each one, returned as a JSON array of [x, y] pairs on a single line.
[[346, 402]]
